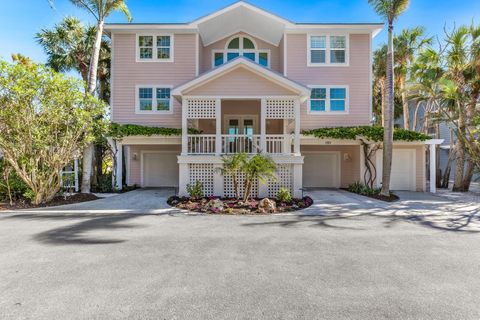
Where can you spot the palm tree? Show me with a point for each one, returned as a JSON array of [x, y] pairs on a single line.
[[232, 164], [406, 45], [390, 10], [100, 9], [380, 73], [259, 167]]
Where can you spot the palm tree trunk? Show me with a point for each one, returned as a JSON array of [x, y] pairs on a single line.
[[91, 85], [406, 111], [468, 175], [388, 130], [460, 147]]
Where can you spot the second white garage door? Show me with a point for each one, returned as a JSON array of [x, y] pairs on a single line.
[[160, 169], [403, 169], [321, 170]]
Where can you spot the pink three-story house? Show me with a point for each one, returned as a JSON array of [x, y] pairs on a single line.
[[249, 81]]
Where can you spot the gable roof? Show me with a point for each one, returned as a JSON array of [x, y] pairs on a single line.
[[242, 62], [243, 17]]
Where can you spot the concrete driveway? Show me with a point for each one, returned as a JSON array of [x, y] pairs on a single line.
[[357, 260]]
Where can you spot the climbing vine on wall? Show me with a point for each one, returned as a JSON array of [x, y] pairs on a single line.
[[118, 131], [373, 133]]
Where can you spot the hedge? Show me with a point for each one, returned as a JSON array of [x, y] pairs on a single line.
[[374, 133], [124, 130]]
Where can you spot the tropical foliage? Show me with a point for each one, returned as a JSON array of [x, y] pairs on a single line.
[[373, 133], [119, 131], [45, 120]]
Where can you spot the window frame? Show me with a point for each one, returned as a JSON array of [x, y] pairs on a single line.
[[328, 50], [155, 47], [154, 87], [328, 100], [241, 51]]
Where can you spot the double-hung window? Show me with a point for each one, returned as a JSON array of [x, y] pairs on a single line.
[[155, 48], [153, 99], [328, 99], [327, 50]]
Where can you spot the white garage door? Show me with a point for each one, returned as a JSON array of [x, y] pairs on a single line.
[[160, 169], [321, 170], [403, 169]]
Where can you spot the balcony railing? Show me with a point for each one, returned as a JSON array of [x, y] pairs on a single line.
[[251, 144]]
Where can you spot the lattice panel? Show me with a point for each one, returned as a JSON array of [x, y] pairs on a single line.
[[202, 172], [229, 190], [284, 180], [201, 108], [280, 109]]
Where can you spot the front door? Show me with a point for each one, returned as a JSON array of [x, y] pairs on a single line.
[[241, 131]]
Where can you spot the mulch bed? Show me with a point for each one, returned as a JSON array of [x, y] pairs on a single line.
[[393, 197], [57, 201], [216, 205]]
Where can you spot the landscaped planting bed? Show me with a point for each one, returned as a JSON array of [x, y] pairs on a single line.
[[57, 201], [216, 205]]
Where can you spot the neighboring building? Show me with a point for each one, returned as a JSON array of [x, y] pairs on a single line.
[[250, 82]]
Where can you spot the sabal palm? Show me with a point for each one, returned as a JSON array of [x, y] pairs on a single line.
[[232, 164], [259, 167], [406, 45], [390, 10], [380, 74]]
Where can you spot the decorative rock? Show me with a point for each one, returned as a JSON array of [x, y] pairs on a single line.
[[216, 204], [267, 205]]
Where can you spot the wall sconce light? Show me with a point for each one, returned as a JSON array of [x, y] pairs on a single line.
[[135, 156], [347, 157]]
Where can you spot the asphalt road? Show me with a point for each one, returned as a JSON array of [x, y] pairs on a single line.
[[124, 266]]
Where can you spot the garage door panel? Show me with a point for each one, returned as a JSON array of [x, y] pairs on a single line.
[[321, 170], [160, 170], [403, 169]]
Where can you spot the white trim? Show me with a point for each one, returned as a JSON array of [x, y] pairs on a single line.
[[112, 74], [142, 153], [127, 165], [197, 55], [285, 62], [154, 98], [152, 140], [328, 50], [241, 4], [243, 62], [327, 111], [154, 48], [338, 178], [241, 51]]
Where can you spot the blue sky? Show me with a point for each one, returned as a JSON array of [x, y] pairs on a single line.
[[21, 19]]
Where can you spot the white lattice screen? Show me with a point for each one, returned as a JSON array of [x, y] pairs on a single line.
[[201, 108], [284, 180], [280, 109], [202, 172], [229, 190]]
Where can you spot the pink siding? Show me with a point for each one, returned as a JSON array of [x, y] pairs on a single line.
[[206, 62], [135, 165], [238, 82], [127, 73], [356, 76], [349, 169]]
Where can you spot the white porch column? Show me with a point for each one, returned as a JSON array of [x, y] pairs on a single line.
[[184, 126], [263, 126], [218, 124], [183, 179], [433, 171], [119, 167], [297, 127], [297, 180], [287, 141], [218, 181]]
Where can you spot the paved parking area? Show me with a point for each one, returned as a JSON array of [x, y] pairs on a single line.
[[344, 258]]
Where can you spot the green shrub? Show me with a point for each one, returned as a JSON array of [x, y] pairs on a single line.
[[196, 190], [362, 189], [374, 133], [284, 195], [18, 188]]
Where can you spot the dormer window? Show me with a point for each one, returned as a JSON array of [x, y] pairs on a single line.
[[241, 46], [154, 48]]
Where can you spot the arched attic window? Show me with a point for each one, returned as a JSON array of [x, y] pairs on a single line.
[[241, 46]]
